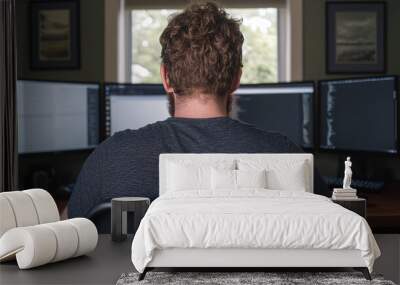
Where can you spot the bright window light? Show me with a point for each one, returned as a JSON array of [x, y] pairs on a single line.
[[260, 49]]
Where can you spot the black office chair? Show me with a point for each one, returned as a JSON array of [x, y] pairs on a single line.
[[100, 215]]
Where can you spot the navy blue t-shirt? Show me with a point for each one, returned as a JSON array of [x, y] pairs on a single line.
[[126, 164]]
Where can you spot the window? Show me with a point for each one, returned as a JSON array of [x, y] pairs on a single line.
[[147, 26], [260, 49]]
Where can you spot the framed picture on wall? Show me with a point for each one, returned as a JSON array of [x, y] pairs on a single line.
[[356, 35], [55, 37]]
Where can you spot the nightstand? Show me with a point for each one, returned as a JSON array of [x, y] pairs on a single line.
[[357, 205], [119, 208]]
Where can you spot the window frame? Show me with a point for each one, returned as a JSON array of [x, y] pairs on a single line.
[[290, 34]]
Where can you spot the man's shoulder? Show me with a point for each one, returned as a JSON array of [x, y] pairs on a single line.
[[276, 140], [132, 139], [249, 128], [127, 135]]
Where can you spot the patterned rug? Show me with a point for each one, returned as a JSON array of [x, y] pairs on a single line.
[[244, 278]]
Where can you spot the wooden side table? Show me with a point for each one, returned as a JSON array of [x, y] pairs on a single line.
[[119, 209], [357, 205]]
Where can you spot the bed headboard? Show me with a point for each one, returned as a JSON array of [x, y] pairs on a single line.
[[210, 157]]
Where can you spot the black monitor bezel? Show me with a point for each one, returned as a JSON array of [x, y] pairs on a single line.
[[100, 94], [310, 83], [358, 151], [278, 84], [151, 87], [158, 86]]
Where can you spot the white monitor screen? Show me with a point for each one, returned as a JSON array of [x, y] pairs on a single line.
[[134, 106], [55, 116]]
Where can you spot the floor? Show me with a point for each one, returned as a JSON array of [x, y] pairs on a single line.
[[106, 264], [388, 264], [103, 266]]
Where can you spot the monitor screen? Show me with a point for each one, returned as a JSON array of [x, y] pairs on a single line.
[[359, 114], [132, 106], [56, 116], [286, 108]]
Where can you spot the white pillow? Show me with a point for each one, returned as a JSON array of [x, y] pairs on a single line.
[[184, 175], [183, 178], [251, 178], [225, 179], [292, 179], [282, 174]]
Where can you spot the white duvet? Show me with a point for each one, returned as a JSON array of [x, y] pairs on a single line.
[[250, 219]]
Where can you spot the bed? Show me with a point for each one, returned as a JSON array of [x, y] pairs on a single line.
[[246, 211]]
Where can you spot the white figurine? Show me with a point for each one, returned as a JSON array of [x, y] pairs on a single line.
[[348, 173]]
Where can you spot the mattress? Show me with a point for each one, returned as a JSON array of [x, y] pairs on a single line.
[[251, 219]]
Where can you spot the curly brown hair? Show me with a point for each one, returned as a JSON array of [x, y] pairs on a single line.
[[202, 50]]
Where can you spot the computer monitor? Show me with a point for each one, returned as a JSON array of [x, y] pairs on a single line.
[[57, 116], [286, 108], [359, 114], [132, 106]]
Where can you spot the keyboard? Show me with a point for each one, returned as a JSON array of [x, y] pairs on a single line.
[[359, 184]]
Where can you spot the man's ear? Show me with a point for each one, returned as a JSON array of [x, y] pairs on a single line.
[[165, 80], [236, 82]]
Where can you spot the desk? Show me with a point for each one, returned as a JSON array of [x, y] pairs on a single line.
[[102, 266], [357, 205], [383, 209]]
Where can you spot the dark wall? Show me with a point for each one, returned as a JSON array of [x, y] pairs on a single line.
[[61, 168], [51, 171], [67, 165], [92, 45], [314, 39], [314, 68]]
